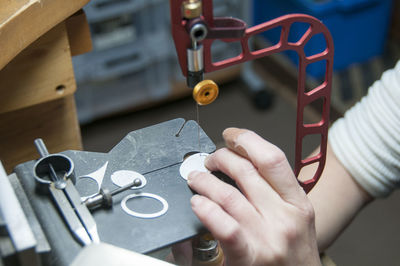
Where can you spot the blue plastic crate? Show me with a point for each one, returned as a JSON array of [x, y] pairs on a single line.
[[358, 27]]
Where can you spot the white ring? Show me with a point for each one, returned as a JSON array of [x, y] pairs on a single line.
[[144, 215]]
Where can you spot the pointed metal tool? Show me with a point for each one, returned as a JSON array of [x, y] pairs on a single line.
[[54, 173]]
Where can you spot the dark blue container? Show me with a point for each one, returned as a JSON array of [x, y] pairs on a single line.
[[358, 27]]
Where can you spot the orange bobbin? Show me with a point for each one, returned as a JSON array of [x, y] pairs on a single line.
[[205, 92]]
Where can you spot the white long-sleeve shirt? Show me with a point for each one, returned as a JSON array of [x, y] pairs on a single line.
[[367, 140]]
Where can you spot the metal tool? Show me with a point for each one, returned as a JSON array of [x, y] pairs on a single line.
[[104, 197], [157, 217], [207, 251], [54, 173], [194, 28]]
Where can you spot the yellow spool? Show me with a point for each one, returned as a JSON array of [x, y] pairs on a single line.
[[205, 92]]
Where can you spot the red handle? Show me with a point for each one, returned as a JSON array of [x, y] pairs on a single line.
[[304, 97]]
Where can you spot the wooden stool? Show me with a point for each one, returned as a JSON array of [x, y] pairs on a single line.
[[37, 40]]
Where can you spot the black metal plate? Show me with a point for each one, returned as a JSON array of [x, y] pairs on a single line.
[[157, 153]]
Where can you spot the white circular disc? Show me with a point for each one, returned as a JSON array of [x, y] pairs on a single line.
[[145, 215], [124, 177], [194, 162]]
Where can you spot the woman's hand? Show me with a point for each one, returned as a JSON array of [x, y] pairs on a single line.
[[270, 221]]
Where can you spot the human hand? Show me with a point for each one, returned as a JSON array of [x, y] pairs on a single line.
[[270, 221]]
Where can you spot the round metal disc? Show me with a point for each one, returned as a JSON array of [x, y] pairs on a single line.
[[205, 92]]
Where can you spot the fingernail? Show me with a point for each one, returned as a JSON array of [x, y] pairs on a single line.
[[229, 136], [231, 130], [242, 151], [196, 200]]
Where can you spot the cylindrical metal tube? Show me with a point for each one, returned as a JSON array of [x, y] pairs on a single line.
[[195, 59], [104, 197], [41, 148], [94, 201], [206, 251], [191, 9], [193, 78]]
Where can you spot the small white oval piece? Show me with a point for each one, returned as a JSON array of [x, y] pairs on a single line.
[[194, 162], [124, 177]]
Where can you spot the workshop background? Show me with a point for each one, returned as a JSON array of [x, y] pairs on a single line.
[[131, 80]]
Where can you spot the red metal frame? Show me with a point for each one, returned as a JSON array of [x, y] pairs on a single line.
[[182, 42]]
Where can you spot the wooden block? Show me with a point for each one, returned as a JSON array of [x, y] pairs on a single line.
[[79, 33], [42, 72], [24, 21], [55, 122]]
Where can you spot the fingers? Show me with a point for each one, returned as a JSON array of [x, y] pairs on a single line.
[[223, 194], [221, 225], [270, 161], [246, 176]]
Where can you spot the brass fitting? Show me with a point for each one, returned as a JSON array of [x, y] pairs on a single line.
[[191, 9], [207, 251], [205, 92]]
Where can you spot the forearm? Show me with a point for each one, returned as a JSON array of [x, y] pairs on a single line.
[[367, 148], [336, 199]]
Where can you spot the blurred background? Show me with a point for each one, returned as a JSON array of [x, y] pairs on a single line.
[[132, 79]]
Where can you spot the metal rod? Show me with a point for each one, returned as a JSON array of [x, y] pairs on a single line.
[[136, 183], [104, 197], [41, 148]]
